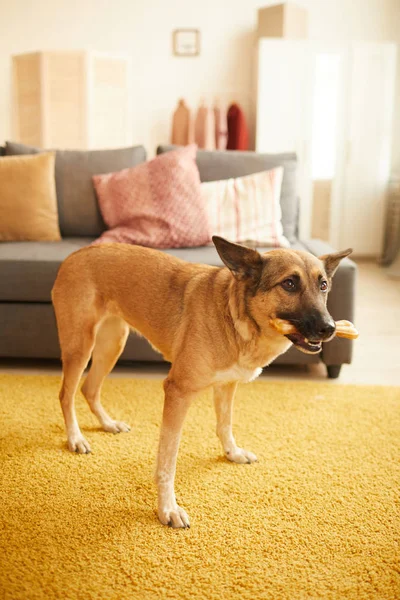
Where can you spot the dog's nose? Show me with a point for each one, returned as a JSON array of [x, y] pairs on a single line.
[[327, 329]]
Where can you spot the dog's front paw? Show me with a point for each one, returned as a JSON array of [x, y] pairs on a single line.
[[77, 443], [239, 455], [116, 426], [174, 517]]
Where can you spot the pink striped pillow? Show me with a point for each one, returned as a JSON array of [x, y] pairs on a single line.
[[247, 209], [157, 204]]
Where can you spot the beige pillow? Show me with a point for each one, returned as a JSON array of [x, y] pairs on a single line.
[[247, 209], [28, 203]]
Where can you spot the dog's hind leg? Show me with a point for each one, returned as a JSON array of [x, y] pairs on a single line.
[[76, 351], [110, 342], [223, 401]]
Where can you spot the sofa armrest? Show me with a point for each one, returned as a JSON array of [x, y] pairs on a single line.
[[341, 302]]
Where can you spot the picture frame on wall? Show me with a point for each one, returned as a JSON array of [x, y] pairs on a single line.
[[186, 42]]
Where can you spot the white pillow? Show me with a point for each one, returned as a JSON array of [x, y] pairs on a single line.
[[247, 209]]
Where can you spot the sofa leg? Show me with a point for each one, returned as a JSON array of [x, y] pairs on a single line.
[[333, 371]]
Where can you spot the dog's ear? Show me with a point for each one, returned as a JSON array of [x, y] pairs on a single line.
[[244, 263], [331, 261]]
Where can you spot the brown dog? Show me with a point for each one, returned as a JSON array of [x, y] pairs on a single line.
[[211, 323]]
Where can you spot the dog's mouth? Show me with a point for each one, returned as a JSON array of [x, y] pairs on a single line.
[[304, 344]]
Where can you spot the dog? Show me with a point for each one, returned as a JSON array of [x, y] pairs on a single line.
[[211, 323]]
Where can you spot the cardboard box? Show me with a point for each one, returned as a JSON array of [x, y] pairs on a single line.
[[283, 21]]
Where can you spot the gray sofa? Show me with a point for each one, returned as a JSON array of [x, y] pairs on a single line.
[[28, 269]]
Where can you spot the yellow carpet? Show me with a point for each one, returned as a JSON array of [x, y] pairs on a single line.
[[316, 517]]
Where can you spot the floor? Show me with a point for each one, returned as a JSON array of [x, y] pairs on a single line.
[[376, 358]]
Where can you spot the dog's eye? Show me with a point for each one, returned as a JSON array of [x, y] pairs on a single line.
[[289, 285], [323, 286]]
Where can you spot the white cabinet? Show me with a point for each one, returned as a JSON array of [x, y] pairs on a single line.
[[284, 115], [333, 106], [368, 126]]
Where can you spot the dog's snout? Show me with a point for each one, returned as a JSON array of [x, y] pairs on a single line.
[[318, 326], [327, 329]]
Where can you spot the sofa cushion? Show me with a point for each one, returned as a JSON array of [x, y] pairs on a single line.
[[247, 209], [215, 165], [158, 204], [28, 204], [28, 269], [208, 255], [78, 211]]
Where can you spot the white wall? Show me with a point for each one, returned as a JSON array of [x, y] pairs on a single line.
[[142, 28]]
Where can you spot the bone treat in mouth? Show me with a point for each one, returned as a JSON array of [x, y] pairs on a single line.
[[282, 326], [344, 329]]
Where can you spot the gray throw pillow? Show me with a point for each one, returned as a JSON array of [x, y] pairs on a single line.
[[78, 210], [215, 165]]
